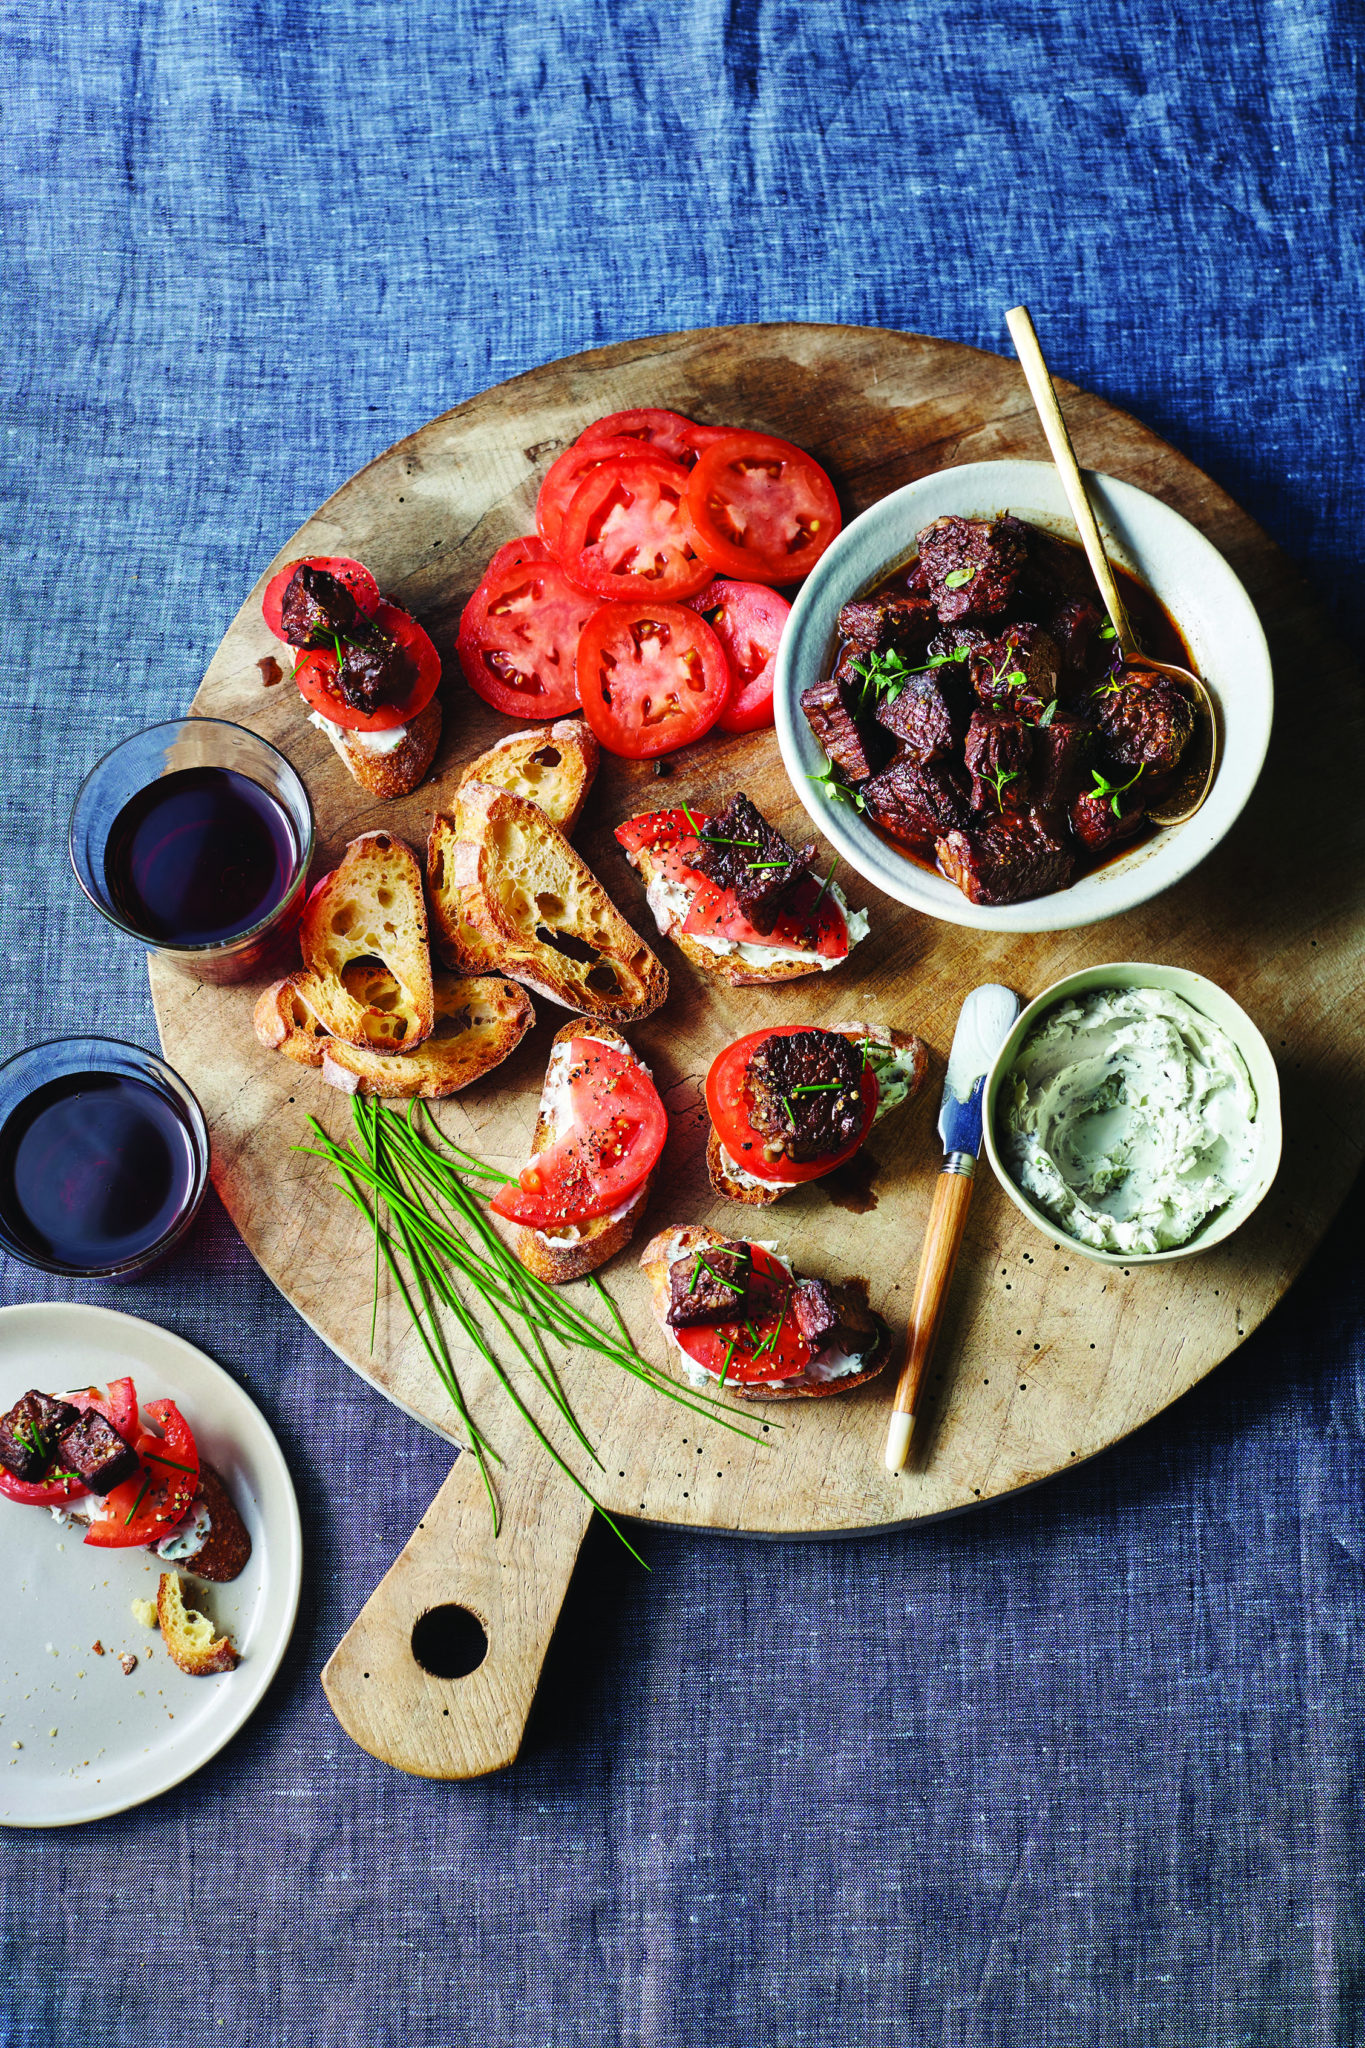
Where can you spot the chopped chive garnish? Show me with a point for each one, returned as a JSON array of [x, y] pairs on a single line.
[[823, 886], [730, 1352], [146, 1488], [155, 1458]]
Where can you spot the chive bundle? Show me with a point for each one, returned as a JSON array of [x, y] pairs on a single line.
[[422, 1202]]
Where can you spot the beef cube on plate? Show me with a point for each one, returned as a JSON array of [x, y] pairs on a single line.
[[29, 1433], [889, 625], [998, 750], [806, 1089], [1145, 720], [916, 801], [857, 748], [93, 1449], [929, 716], [1059, 751], [1006, 860], [739, 850], [973, 565], [315, 606], [1017, 672], [709, 1287], [827, 1315]]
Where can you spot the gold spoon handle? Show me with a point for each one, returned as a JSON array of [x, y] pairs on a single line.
[[1040, 384]]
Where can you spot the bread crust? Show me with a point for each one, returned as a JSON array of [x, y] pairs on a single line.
[[601, 1238], [722, 966], [905, 1042], [559, 790], [484, 866], [696, 1237], [347, 921], [224, 1552], [392, 775]]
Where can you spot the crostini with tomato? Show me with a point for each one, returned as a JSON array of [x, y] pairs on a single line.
[[365, 668], [790, 1104], [742, 904], [598, 1138], [744, 1322], [89, 1458]]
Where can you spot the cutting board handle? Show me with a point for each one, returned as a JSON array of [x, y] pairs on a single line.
[[453, 1583]]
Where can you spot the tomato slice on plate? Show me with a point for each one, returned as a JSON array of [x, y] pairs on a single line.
[[672, 433], [748, 620], [626, 530], [518, 640], [315, 672], [728, 1103], [147, 1507], [651, 677], [618, 1131], [761, 508], [354, 575], [565, 475], [118, 1406], [761, 1348]]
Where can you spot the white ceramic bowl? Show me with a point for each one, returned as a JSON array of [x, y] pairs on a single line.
[[1187, 573], [1211, 1002]]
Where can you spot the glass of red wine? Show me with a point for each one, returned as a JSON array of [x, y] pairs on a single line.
[[104, 1158], [194, 837]]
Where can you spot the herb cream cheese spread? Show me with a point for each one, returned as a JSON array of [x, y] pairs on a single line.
[[1129, 1118]]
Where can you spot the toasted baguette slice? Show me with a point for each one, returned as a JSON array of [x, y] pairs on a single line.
[[392, 774], [911, 1059], [512, 876], [560, 1258], [453, 936], [190, 1641], [479, 1020], [225, 1547], [656, 1260], [364, 937], [670, 917], [552, 766]]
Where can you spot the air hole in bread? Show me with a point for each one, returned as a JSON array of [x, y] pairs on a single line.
[[384, 898], [603, 979], [550, 906], [341, 919], [548, 757], [371, 983], [438, 872], [450, 1027], [570, 945]]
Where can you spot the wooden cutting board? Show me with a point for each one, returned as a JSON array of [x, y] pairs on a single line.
[[1045, 1357]]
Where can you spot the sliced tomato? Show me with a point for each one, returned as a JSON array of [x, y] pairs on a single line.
[[148, 1506], [748, 620], [651, 677], [761, 508], [660, 829], [727, 1100], [672, 433], [354, 575], [315, 672], [514, 554], [118, 1407], [761, 1348], [565, 475], [618, 1131], [626, 531], [811, 920], [518, 641]]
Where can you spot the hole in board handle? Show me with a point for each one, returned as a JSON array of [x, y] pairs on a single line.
[[449, 1641]]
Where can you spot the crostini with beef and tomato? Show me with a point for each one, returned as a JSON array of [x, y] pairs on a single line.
[[793, 1102]]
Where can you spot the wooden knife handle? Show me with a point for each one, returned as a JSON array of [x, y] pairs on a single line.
[[513, 1585], [942, 1242]]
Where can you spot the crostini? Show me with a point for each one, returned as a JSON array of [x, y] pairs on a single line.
[[479, 1020], [791, 1103], [598, 1137], [367, 671], [509, 895], [552, 766], [368, 912], [736, 898], [741, 1319]]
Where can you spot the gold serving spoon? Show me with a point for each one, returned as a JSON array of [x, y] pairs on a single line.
[[1197, 770]]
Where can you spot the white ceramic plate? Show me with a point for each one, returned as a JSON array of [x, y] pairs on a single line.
[[1189, 576], [78, 1739]]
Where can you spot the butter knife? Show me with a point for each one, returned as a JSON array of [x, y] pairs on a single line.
[[985, 1022]]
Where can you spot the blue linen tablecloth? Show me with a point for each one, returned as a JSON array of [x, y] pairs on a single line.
[[1084, 1767]]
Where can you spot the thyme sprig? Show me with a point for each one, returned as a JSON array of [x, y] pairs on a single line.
[[834, 786], [1113, 790], [999, 780]]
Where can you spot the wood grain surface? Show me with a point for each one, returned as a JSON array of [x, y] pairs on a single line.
[[1044, 1358]]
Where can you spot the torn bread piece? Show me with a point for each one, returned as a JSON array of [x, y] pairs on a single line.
[[552, 766], [569, 1251], [364, 940], [535, 910], [786, 1339], [189, 1637]]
